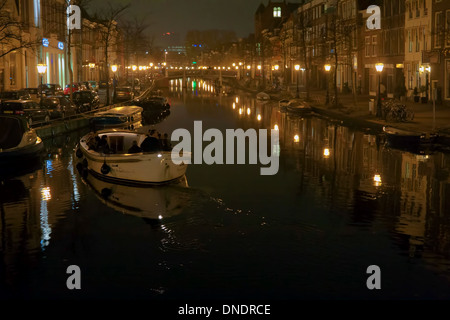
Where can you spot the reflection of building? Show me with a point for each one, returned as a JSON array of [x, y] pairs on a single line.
[[20, 225], [413, 201]]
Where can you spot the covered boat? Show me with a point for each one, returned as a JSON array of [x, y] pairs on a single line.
[[120, 166], [262, 96], [128, 117], [411, 141], [298, 107], [18, 142], [401, 136]]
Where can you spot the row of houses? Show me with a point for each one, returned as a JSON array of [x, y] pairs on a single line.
[[412, 42], [35, 32]]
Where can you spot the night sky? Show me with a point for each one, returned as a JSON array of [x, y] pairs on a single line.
[[180, 16]]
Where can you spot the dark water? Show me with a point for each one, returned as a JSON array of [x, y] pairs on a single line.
[[310, 231]]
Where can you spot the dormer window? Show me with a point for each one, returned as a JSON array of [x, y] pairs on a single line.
[[277, 12]]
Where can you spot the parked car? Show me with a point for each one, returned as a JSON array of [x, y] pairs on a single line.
[[59, 107], [87, 85], [86, 100], [104, 84], [14, 95], [123, 94], [33, 92], [50, 89], [75, 88], [27, 108], [94, 85]]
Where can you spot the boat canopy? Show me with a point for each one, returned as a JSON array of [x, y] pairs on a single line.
[[11, 132]]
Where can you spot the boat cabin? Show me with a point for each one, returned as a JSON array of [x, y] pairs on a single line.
[[120, 142]]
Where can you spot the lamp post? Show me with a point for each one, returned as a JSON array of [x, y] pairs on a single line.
[[134, 69], [327, 68], [379, 67], [297, 68], [114, 70], [42, 68]]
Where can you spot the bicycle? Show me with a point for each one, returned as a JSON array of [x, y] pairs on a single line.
[[395, 112]]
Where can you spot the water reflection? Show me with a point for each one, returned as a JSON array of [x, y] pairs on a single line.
[[353, 171], [340, 195], [20, 236], [150, 203]]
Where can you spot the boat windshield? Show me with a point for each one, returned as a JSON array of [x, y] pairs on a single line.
[[11, 132]]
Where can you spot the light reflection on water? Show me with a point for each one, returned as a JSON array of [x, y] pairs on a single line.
[[341, 201]]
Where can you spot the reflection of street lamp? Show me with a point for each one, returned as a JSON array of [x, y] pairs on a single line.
[[327, 69], [379, 67], [114, 70], [297, 68], [427, 70], [42, 68]]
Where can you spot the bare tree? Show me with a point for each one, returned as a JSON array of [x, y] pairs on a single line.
[[340, 36], [107, 20], [303, 23], [136, 43], [13, 31]]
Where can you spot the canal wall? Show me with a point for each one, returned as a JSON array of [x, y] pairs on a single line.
[[62, 128]]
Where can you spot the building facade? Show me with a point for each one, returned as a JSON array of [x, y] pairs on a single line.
[[44, 39]]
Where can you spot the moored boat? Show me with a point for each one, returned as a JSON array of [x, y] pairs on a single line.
[[120, 166], [401, 136], [128, 117], [298, 107], [18, 142], [411, 141], [262, 96]]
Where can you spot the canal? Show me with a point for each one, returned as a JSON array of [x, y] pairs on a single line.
[[340, 202]]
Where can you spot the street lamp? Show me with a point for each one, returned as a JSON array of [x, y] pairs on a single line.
[[114, 70], [91, 69], [379, 67], [327, 69], [42, 68], [297, 68]]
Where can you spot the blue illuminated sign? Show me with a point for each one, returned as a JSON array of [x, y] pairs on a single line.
[[61, 45], [45, 42]]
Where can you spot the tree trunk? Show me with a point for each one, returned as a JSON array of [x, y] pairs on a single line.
[[107, 72]]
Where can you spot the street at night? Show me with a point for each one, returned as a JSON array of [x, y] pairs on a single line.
[[204, 166]]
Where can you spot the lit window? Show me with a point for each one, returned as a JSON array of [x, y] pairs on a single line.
[[277, 12]]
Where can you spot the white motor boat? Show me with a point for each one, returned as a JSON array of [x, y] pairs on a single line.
[[142, 168]]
